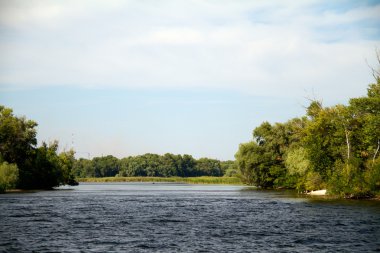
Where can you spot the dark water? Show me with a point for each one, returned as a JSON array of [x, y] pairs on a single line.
[[183, 218]]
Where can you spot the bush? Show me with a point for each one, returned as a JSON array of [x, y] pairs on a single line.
[[314, 181], [230, 172], [372, 175], [8, 176], [350, 181]]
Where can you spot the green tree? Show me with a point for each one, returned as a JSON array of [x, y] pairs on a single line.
[[169, 165], [133, 166], [67, 162], [324, 139], [37, 167], [208, 167], [106, 166], [229, 168], [297, 161], [46, 171], [17, 138], [152, 165], [298, 165], [253, 167], [187, 164], [262, 161], [83, 168], [8, 176], [367, 111]]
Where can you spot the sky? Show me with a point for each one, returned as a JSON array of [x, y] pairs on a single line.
[[184, 77]]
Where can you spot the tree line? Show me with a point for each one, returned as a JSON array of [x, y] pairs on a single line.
[[152, 165], [334, 148]]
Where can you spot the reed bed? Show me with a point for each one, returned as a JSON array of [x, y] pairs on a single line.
[[188, 180]]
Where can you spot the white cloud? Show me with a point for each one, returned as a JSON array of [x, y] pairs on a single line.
[[174, 36], [264, 48]]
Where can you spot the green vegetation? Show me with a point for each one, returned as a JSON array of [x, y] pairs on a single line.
[[23, 164], [152, 165], [189, 180], [8, 176], [336, 148]]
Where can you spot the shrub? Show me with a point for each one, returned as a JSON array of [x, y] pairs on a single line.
[[314, 181], [350, 181], [8, 176]]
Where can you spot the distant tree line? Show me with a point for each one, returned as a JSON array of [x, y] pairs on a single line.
[[333, 147], [23, 164], [152, 165]]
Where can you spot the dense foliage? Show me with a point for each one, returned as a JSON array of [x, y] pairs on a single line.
[[333, 147], [8, 176], [152, 165], [23, 164]]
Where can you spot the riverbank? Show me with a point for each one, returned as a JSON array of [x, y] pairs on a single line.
[[187, 180], [324, 193]]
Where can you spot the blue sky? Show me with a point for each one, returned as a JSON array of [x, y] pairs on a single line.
[[196, 77]]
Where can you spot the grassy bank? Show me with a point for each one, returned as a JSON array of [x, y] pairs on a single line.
[[188, 180]]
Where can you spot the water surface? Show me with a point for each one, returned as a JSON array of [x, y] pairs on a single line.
[[146, 217]]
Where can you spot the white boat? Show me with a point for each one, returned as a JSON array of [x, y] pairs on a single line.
[[318, 192]]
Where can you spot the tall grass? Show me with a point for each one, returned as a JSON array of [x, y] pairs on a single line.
[[188, 180]]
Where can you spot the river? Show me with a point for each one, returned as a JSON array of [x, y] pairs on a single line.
[[147, 217]]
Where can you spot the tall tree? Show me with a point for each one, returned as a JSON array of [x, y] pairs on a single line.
[[367, 110], [37, 167], [17, 137]]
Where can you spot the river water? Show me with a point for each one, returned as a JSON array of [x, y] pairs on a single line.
[[146, 217]]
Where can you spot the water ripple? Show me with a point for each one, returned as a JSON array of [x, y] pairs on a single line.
[[182, 220]]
